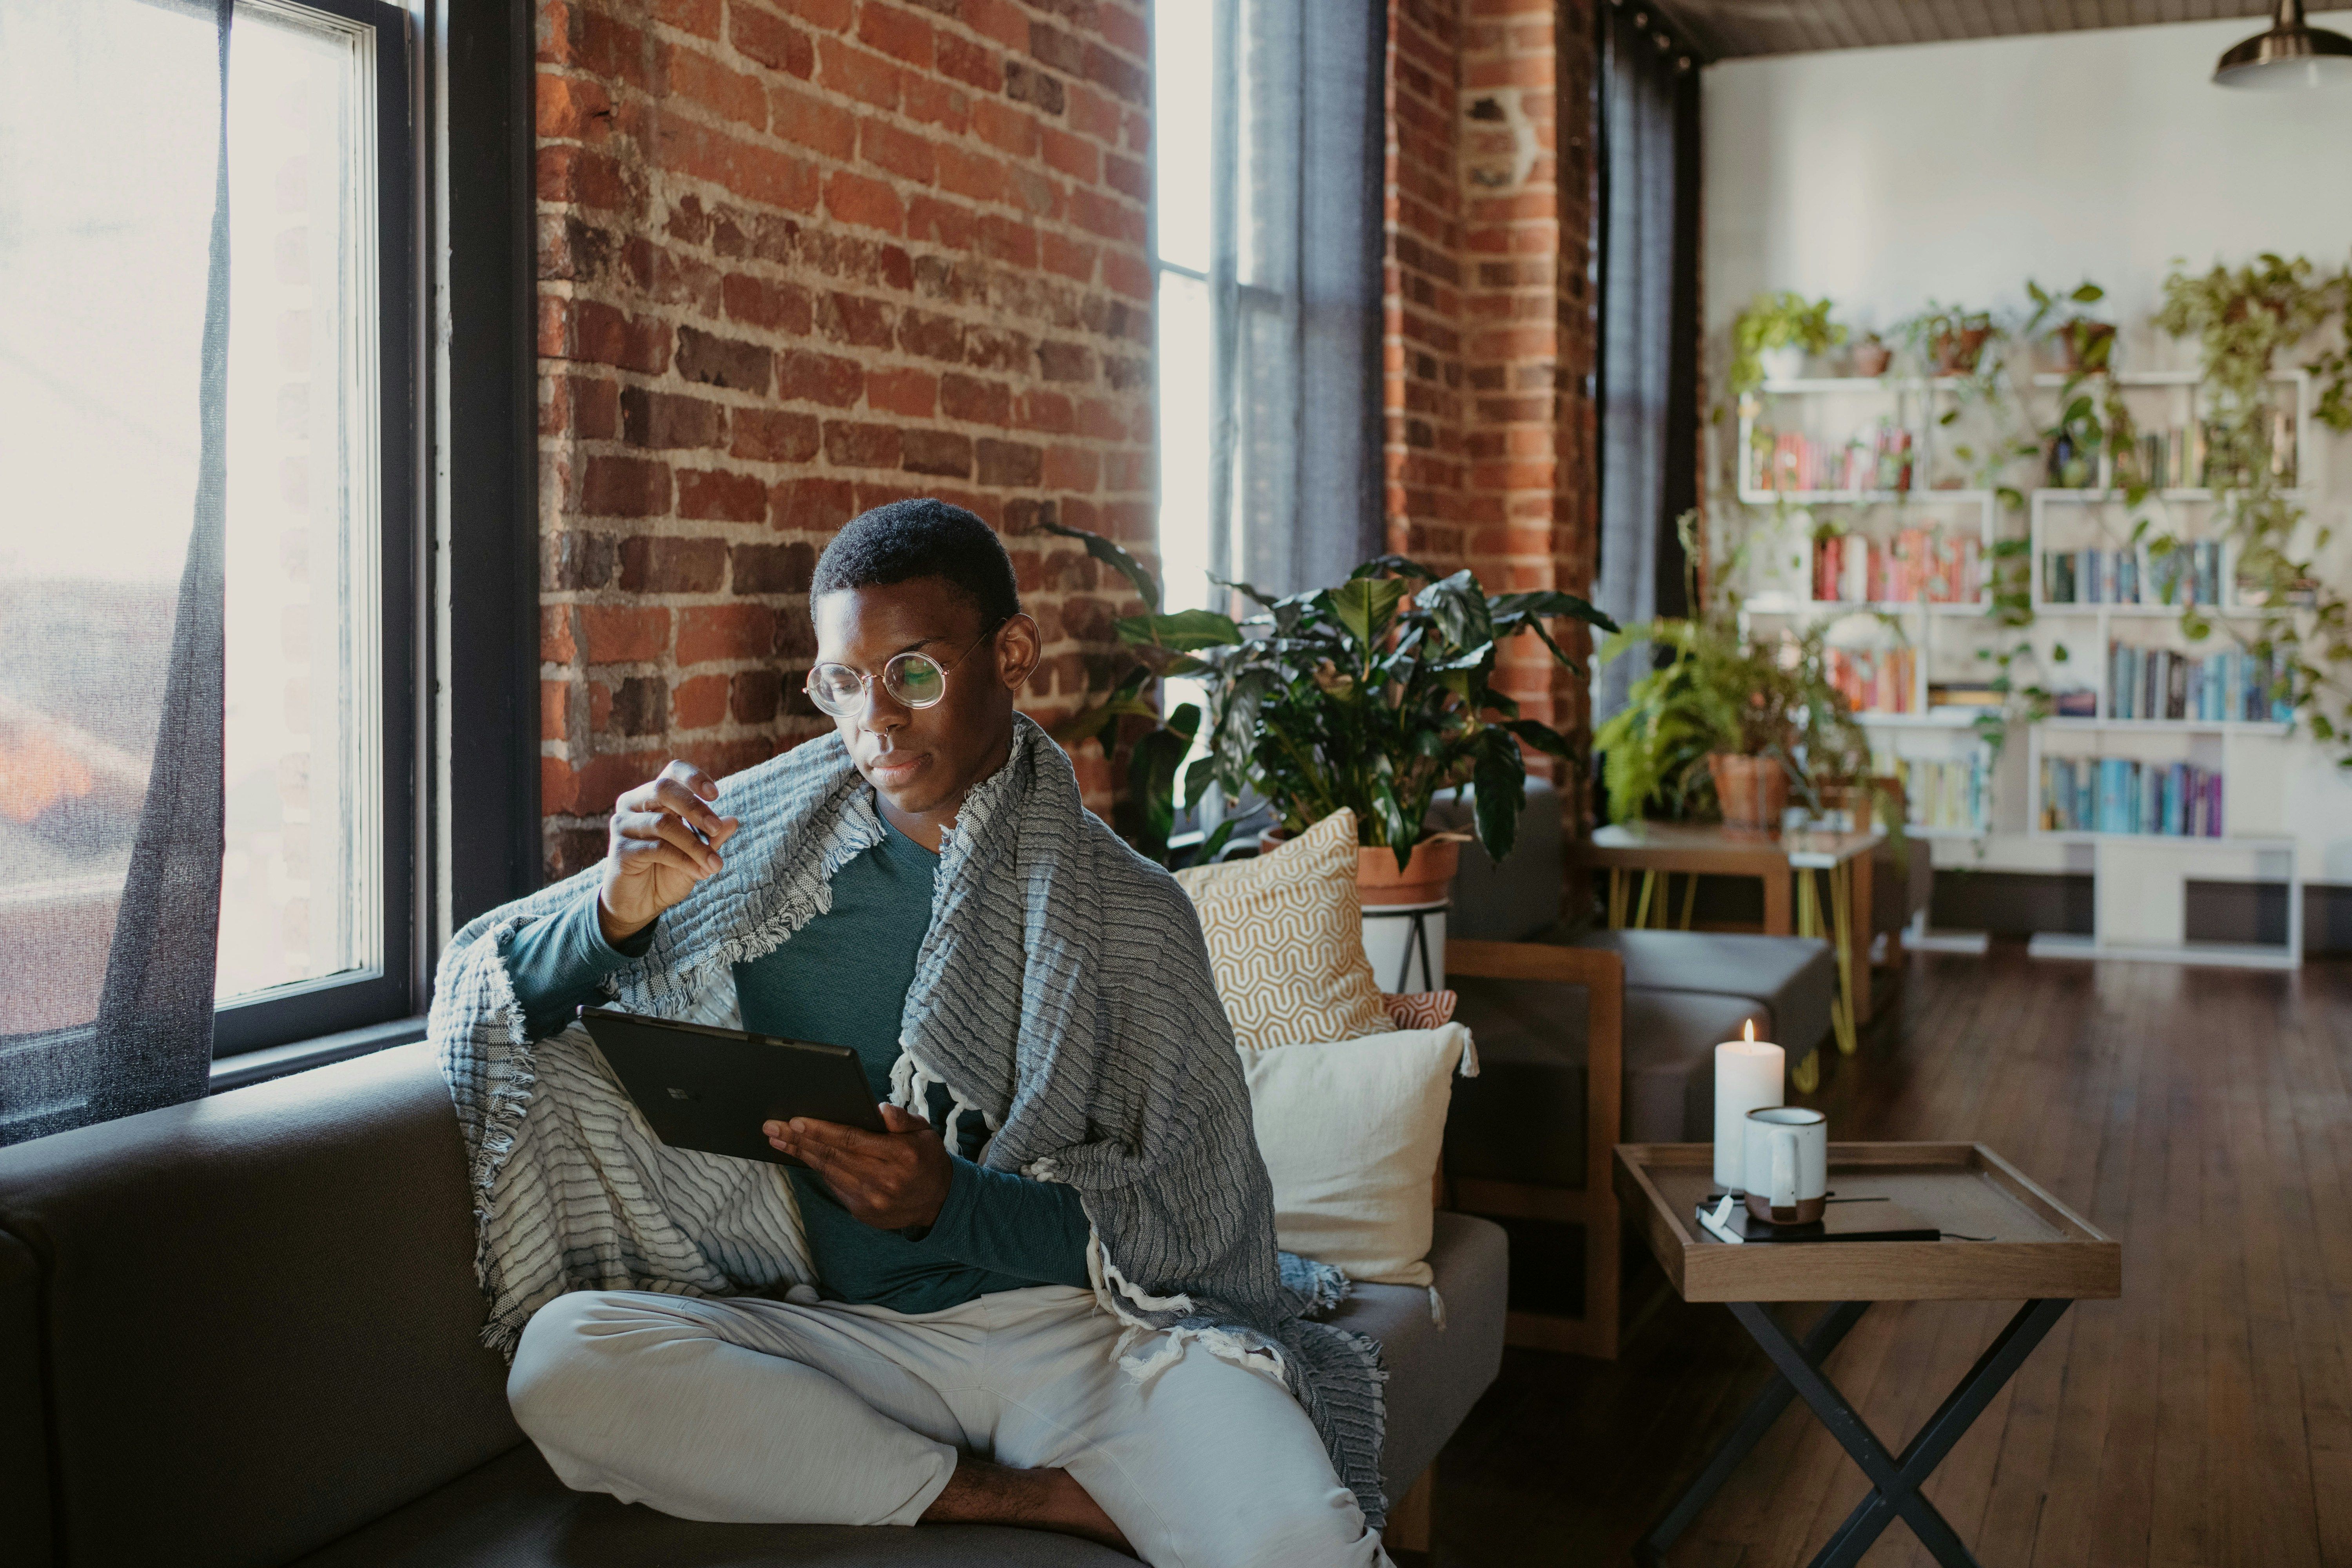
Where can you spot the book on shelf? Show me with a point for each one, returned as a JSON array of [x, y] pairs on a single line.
[[2230, 686], [2076, 702], [1918, 565], [1943, 792], [1971, 695], [2181, 457], [2169, 460], [2121, 794], [2189, 573], [1873, 458], [1877, 681]]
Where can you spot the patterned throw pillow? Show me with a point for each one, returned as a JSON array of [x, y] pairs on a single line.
[[1419, 1009], [1286, 937]]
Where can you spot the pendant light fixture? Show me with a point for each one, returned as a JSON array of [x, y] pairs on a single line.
[[2290, 56]]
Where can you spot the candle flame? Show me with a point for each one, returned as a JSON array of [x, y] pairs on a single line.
[[1748, 1029]]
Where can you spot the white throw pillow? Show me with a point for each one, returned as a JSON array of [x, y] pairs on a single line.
[[1351, 1131]]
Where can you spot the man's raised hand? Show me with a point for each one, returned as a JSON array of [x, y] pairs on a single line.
[[890, 1180], [665, 840]]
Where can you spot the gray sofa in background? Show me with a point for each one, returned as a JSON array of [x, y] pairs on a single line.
[[1519, 1139], [1685, 993], [245, 1332]]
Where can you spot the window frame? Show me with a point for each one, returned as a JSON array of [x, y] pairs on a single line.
[[336, 1004]]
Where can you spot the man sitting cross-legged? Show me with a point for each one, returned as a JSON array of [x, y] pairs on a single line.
[[1048, 1295]]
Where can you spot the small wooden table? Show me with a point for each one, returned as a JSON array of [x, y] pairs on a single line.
[[2033, 1247], [1659, 849]]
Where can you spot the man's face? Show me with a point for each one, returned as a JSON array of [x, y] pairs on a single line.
[[922, 760]]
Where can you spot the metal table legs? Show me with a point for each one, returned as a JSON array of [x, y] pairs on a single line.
[[1894, 1478], [1838, 919]]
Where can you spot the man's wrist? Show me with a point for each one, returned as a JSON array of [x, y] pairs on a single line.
[[955, 1208], [616, 931]]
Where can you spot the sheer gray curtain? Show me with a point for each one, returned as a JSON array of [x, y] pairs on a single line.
[[113, 374], [1296, 502], [1649, 325]]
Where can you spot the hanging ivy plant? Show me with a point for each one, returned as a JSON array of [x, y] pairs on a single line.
[[2242, 319]]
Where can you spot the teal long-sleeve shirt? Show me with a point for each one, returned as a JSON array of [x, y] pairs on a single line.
[[842, 979]]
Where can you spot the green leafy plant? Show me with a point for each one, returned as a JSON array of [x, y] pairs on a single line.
[[1950, 340], [1716, 690], [1711, 693], [1377, 694], [1373, 695], [1779, 320], [1162, 645], [2244, 319], [2089, 341]]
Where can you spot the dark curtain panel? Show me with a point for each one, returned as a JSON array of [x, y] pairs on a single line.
[[110, 698], [1296, 281], [1649, 326]]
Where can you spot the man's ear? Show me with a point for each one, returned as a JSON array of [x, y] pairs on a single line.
[[1019, 647]]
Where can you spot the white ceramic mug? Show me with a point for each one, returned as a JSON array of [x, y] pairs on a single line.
[[1787, 1165]]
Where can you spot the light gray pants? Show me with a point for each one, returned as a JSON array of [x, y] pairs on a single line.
[[767, 1412]]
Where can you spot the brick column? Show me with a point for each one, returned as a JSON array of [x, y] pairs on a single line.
[[1491, 460]]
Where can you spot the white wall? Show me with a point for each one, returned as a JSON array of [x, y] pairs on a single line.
[[1883, 177]]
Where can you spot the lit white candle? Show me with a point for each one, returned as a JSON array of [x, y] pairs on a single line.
[[1748, 1076]]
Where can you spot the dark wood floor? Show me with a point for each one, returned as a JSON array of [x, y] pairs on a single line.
[[2204, 1420]]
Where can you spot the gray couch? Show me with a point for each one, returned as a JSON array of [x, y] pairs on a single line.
[[1685, 991], [244, 1331]]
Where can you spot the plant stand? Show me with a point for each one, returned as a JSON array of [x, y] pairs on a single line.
[[1406, 943]]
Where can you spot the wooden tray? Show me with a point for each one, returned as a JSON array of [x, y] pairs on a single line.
[[2037, 1247]]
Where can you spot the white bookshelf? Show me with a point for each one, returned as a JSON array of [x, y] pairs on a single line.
[[1929, 628], [2138, 879]]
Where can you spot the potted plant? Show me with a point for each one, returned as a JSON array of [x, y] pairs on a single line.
[[2085, 344], [1773, 335], [1373, 695], [1949, 340], [1709, 731], [1871, 356], [1376, 695], [1726, 725]]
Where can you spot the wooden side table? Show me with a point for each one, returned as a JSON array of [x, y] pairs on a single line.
[[1785, 863], [2027, 1245]]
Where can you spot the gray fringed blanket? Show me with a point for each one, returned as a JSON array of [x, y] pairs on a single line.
[[1063, 995]]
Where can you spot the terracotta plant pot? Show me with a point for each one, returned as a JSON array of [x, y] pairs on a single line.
[[1753, 791], [1426, 879], [1871, 359], [1427, 876], [1957, 353], [2088, 345]]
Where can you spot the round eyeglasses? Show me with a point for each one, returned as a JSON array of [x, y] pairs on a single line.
[[912, 680]]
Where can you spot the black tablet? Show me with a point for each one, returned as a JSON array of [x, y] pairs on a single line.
[[707, 1088]]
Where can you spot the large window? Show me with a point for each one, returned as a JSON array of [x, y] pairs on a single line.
[[306, 883], [1267, 242], [105, 232], [1183, 55]]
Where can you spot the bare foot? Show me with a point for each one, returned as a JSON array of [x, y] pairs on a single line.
[[982, 1493]]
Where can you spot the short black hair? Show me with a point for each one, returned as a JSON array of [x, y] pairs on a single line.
[[904, 540]]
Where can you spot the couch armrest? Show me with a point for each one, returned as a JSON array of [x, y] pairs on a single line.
[[1602, 975]]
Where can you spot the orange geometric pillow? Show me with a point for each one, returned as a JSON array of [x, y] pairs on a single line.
[[1285, 936], [1419, 1009]]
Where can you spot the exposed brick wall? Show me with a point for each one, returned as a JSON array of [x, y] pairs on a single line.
[[798, 258], [1427, 490], [1491, 461]]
